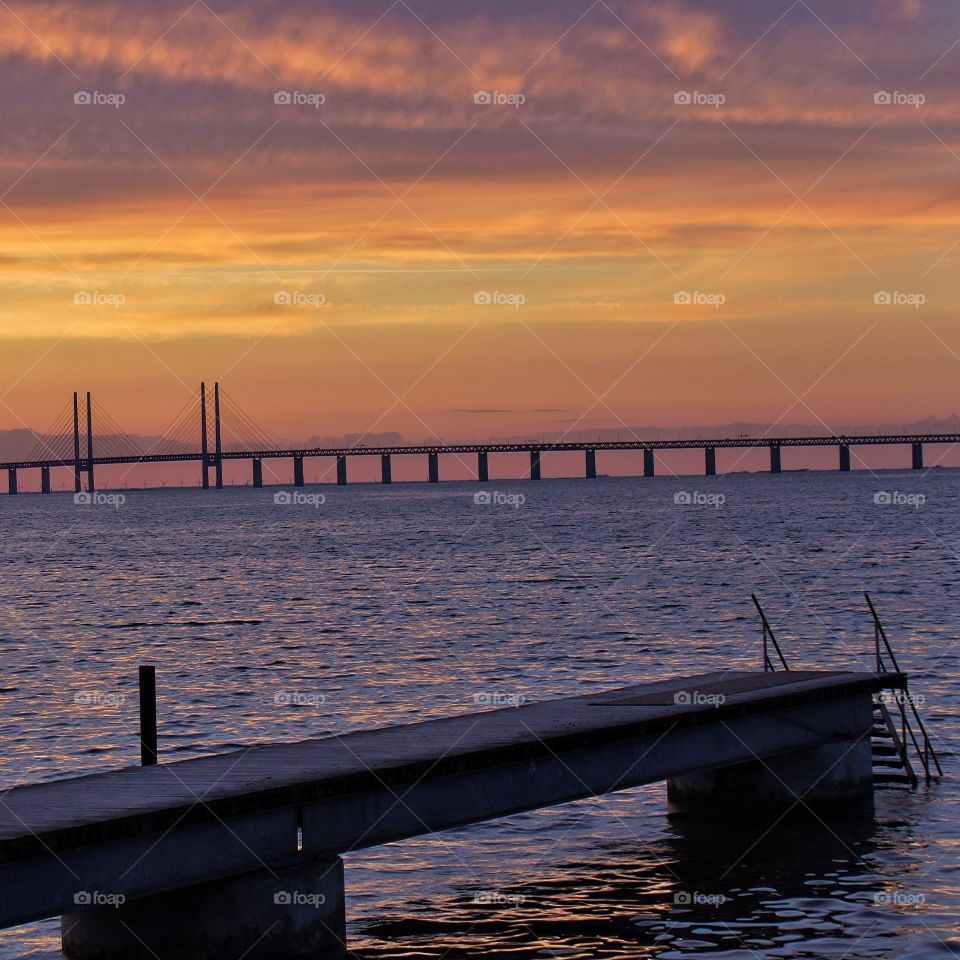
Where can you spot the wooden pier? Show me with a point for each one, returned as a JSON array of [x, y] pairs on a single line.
[[238, 852]]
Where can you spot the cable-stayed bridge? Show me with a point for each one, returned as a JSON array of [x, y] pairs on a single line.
[[212, 428]]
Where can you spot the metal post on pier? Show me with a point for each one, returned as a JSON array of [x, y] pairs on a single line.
[[77, 470], [91, 486], [204, 456], [148, 715]]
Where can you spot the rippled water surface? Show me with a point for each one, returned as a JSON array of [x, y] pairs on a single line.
[[271, 622]]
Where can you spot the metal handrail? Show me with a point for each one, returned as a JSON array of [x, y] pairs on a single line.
[[926, 752], [768, 665]]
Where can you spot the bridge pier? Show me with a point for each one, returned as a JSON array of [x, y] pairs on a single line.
[[341, 471], [844, 457], [386, 469], [298, 471], [776, 461], [917, 456], [12, 480], [534, 464], [483, 467], [591, 464], [269, 915], [649, 464], [45, 480], [433, 467], [257, 472], [710, 461], [838, 773]]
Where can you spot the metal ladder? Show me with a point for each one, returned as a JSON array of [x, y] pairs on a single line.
[[890, 741]]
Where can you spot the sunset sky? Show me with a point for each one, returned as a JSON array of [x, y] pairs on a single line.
[[785, 196]]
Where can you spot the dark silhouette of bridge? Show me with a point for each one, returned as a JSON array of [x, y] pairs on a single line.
[[85, 436]]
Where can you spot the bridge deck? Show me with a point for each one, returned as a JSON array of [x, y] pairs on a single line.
[[68, 814]]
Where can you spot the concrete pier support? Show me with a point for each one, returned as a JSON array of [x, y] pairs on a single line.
[[918, 456], [591, 464], [257, 472], [386, 468], [45, 480], [483, 467], [298, 471], [341, 471], [271, 915], [649, 465], [12, 480], [776, 462], [710, 461], [534, 464], [836, 774], [433, 467], [844, 458]]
